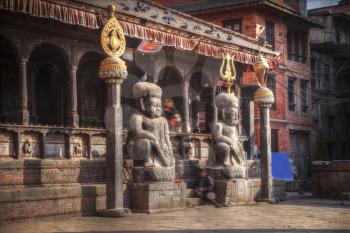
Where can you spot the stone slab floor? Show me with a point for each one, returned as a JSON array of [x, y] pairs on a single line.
[[310, 216]]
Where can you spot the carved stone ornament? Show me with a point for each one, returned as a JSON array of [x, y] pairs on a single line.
[[27, 148], [77, 148]]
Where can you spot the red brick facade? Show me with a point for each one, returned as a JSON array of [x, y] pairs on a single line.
[[252, 24]]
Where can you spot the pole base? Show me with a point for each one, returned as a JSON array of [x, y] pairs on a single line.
[[115, 213]]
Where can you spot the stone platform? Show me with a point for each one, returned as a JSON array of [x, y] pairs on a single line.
[[157, 196], [237, 191]]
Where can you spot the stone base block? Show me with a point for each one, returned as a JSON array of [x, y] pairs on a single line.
[[224, 173], [115, 213], [237, 190], [142, 174], [157, 196]]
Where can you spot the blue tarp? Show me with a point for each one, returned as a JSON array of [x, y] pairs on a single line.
[[281, 167]]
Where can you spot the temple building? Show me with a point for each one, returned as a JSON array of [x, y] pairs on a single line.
[[52, 104], [285, 27], [331, 106]]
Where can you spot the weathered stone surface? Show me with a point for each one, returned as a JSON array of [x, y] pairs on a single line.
[[157, 197], [224, 173], [41, 172], [143, 174], [253, 167], [36, 202], [237, 190]]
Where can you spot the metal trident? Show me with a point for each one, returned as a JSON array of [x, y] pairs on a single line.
[[229, 75]]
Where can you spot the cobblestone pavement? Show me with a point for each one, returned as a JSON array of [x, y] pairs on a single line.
[[299, 216]]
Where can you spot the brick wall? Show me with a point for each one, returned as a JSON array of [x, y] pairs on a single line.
[[253, 23]]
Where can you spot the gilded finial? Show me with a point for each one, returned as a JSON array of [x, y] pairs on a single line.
[[260, 67], [112, 36], [111, 10]]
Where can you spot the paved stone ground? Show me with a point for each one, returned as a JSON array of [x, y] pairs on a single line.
[[303, 215]]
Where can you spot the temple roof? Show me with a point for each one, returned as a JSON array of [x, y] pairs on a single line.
[[150, 21]]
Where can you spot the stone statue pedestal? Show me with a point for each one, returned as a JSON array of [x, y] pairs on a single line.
[[237, 191], [154, 174], [155, 197], [225, 173]]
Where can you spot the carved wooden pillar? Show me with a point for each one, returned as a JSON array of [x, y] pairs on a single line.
[[73, 117], [186, 128], [23, 113]]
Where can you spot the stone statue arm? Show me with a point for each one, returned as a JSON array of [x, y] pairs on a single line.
[[218, 137], [135, 126]]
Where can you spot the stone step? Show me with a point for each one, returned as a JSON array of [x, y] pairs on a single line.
[[189, 193], [194, 201]]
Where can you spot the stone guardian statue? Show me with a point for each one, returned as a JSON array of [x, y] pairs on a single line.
[[228, 152], [148, 139]]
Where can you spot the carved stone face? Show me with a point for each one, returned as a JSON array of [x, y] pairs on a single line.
[[230, 116], [153, 107], [27, 147]]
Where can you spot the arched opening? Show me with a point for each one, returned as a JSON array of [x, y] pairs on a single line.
[[92, 93], [170, 82], [9, 82], [201, 103], [48, 81]]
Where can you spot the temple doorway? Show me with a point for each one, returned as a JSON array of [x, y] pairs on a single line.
[[201, 103], [48, 69], [9, 82], [92, 94]]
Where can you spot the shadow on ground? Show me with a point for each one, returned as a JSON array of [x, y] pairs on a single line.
[[227, 231]]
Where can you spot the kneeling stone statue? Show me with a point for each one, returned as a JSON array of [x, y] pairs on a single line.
[[228, 157], [148, 139]]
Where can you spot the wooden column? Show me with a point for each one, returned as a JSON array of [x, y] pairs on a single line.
[[186, 128], [73, 117], [23, 113]]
